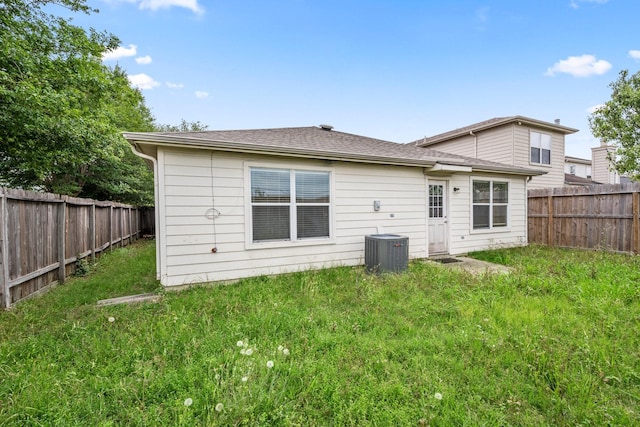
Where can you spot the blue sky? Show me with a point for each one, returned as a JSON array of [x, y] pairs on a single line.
[[395, 70]]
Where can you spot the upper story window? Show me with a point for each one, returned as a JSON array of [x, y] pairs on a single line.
[[572, 169], [490, 204], [289, 205], [540, 148]]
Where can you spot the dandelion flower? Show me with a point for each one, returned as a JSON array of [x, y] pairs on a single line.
[[243, 351], [188, 401], [111, 319], [239, 343], [280, 348], [285, 351], [270, 364], [219, 407], [438, 396], [245, 379], [249, 352]]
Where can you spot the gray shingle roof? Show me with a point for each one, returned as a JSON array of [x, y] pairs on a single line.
[[488, 124], [315, 142]]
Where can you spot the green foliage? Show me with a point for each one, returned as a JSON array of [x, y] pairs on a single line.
[[554, 343], [62, 110], [184, 126], [617, 122]]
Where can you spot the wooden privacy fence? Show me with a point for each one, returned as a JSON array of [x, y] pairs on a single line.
[[596, 217], [42, 236]]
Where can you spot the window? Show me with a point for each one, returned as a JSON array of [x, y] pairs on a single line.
[[490, 204], [289, 205], [572, 169], [540, 148]]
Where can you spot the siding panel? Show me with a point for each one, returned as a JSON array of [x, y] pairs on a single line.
[[189, 234]]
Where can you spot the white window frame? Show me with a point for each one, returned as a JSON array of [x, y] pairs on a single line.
[[492, 228], [293, 240], [536, 141]]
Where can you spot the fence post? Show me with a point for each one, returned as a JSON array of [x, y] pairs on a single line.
[[121, 227], [62, 235], [92, 230], [130, 227], [550, 239], [110, 228], [4, 252], [635, 244]]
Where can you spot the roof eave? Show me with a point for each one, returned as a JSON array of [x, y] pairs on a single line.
[[508, 170], [514, 119], [182, 142]]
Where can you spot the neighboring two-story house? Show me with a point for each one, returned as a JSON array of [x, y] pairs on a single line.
[[577, 171], [515, 140]]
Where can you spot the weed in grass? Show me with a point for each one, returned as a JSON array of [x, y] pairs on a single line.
[[553, 343]]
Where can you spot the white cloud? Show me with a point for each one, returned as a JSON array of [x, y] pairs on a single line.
[[201, 94], [580, 66], [120, 52], [143, 81], [576, 3], [143, 60], [635, 54], [174, 85], [166, 4], [595, 108]]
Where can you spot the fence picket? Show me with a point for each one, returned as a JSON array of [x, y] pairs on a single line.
[[596, 217], [42, 235]]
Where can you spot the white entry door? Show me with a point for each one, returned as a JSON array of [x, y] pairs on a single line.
[[438, 218]]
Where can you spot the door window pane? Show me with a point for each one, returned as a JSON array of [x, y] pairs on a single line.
[[436, 201]]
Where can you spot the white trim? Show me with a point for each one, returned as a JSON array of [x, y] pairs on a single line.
[[439, 167], [156, 201], [491, 229], [162, 216], [550, 164], [294, 242]]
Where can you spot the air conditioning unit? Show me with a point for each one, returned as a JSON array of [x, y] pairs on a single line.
[[386, 253]]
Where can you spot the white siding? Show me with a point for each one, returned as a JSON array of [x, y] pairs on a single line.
[[580, 169], [464, 239], [496, 145], [554, 176], [509, 144], [602, 171], [196, 180], [462, 146]]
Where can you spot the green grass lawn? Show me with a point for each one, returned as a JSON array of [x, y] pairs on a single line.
[[557, 342]]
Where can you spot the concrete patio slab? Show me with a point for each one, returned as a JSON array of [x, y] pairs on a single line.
[[130, 299], [471, 265]]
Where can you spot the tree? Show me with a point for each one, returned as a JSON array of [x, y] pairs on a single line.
[[62, 110], [617, 122], [184, 126]]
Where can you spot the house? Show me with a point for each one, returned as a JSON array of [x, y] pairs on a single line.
[[241, 203], [577, 171], [603, 170], [578, 167], [515, 140]]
